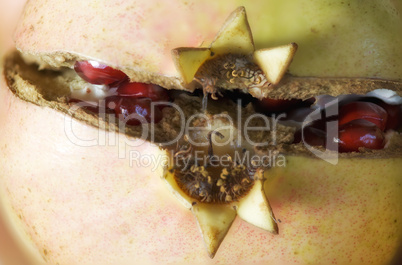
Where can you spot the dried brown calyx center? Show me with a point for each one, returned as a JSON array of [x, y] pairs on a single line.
[[211, 184], [230, 71], [212, 178]]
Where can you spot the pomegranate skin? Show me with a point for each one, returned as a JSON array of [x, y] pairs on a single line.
[[78, 204], [139, 34]]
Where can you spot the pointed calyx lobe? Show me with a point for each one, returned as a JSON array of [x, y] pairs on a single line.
[[214, 221], [231, 62], [216, 199]]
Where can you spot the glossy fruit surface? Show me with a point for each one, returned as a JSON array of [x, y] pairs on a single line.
[[98, 73], [360, 133], [132, 104], [142, 90], [363, 110], [134, 111]]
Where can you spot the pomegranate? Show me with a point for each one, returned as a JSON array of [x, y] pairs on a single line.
[[96, 196]]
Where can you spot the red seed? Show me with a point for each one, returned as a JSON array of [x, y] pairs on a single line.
[[360, 133], [99, 74], [124, 107], [363, 110], [142, 90]]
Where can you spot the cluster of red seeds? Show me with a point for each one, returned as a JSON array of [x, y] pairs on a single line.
[[361, 124], [132, 101]]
